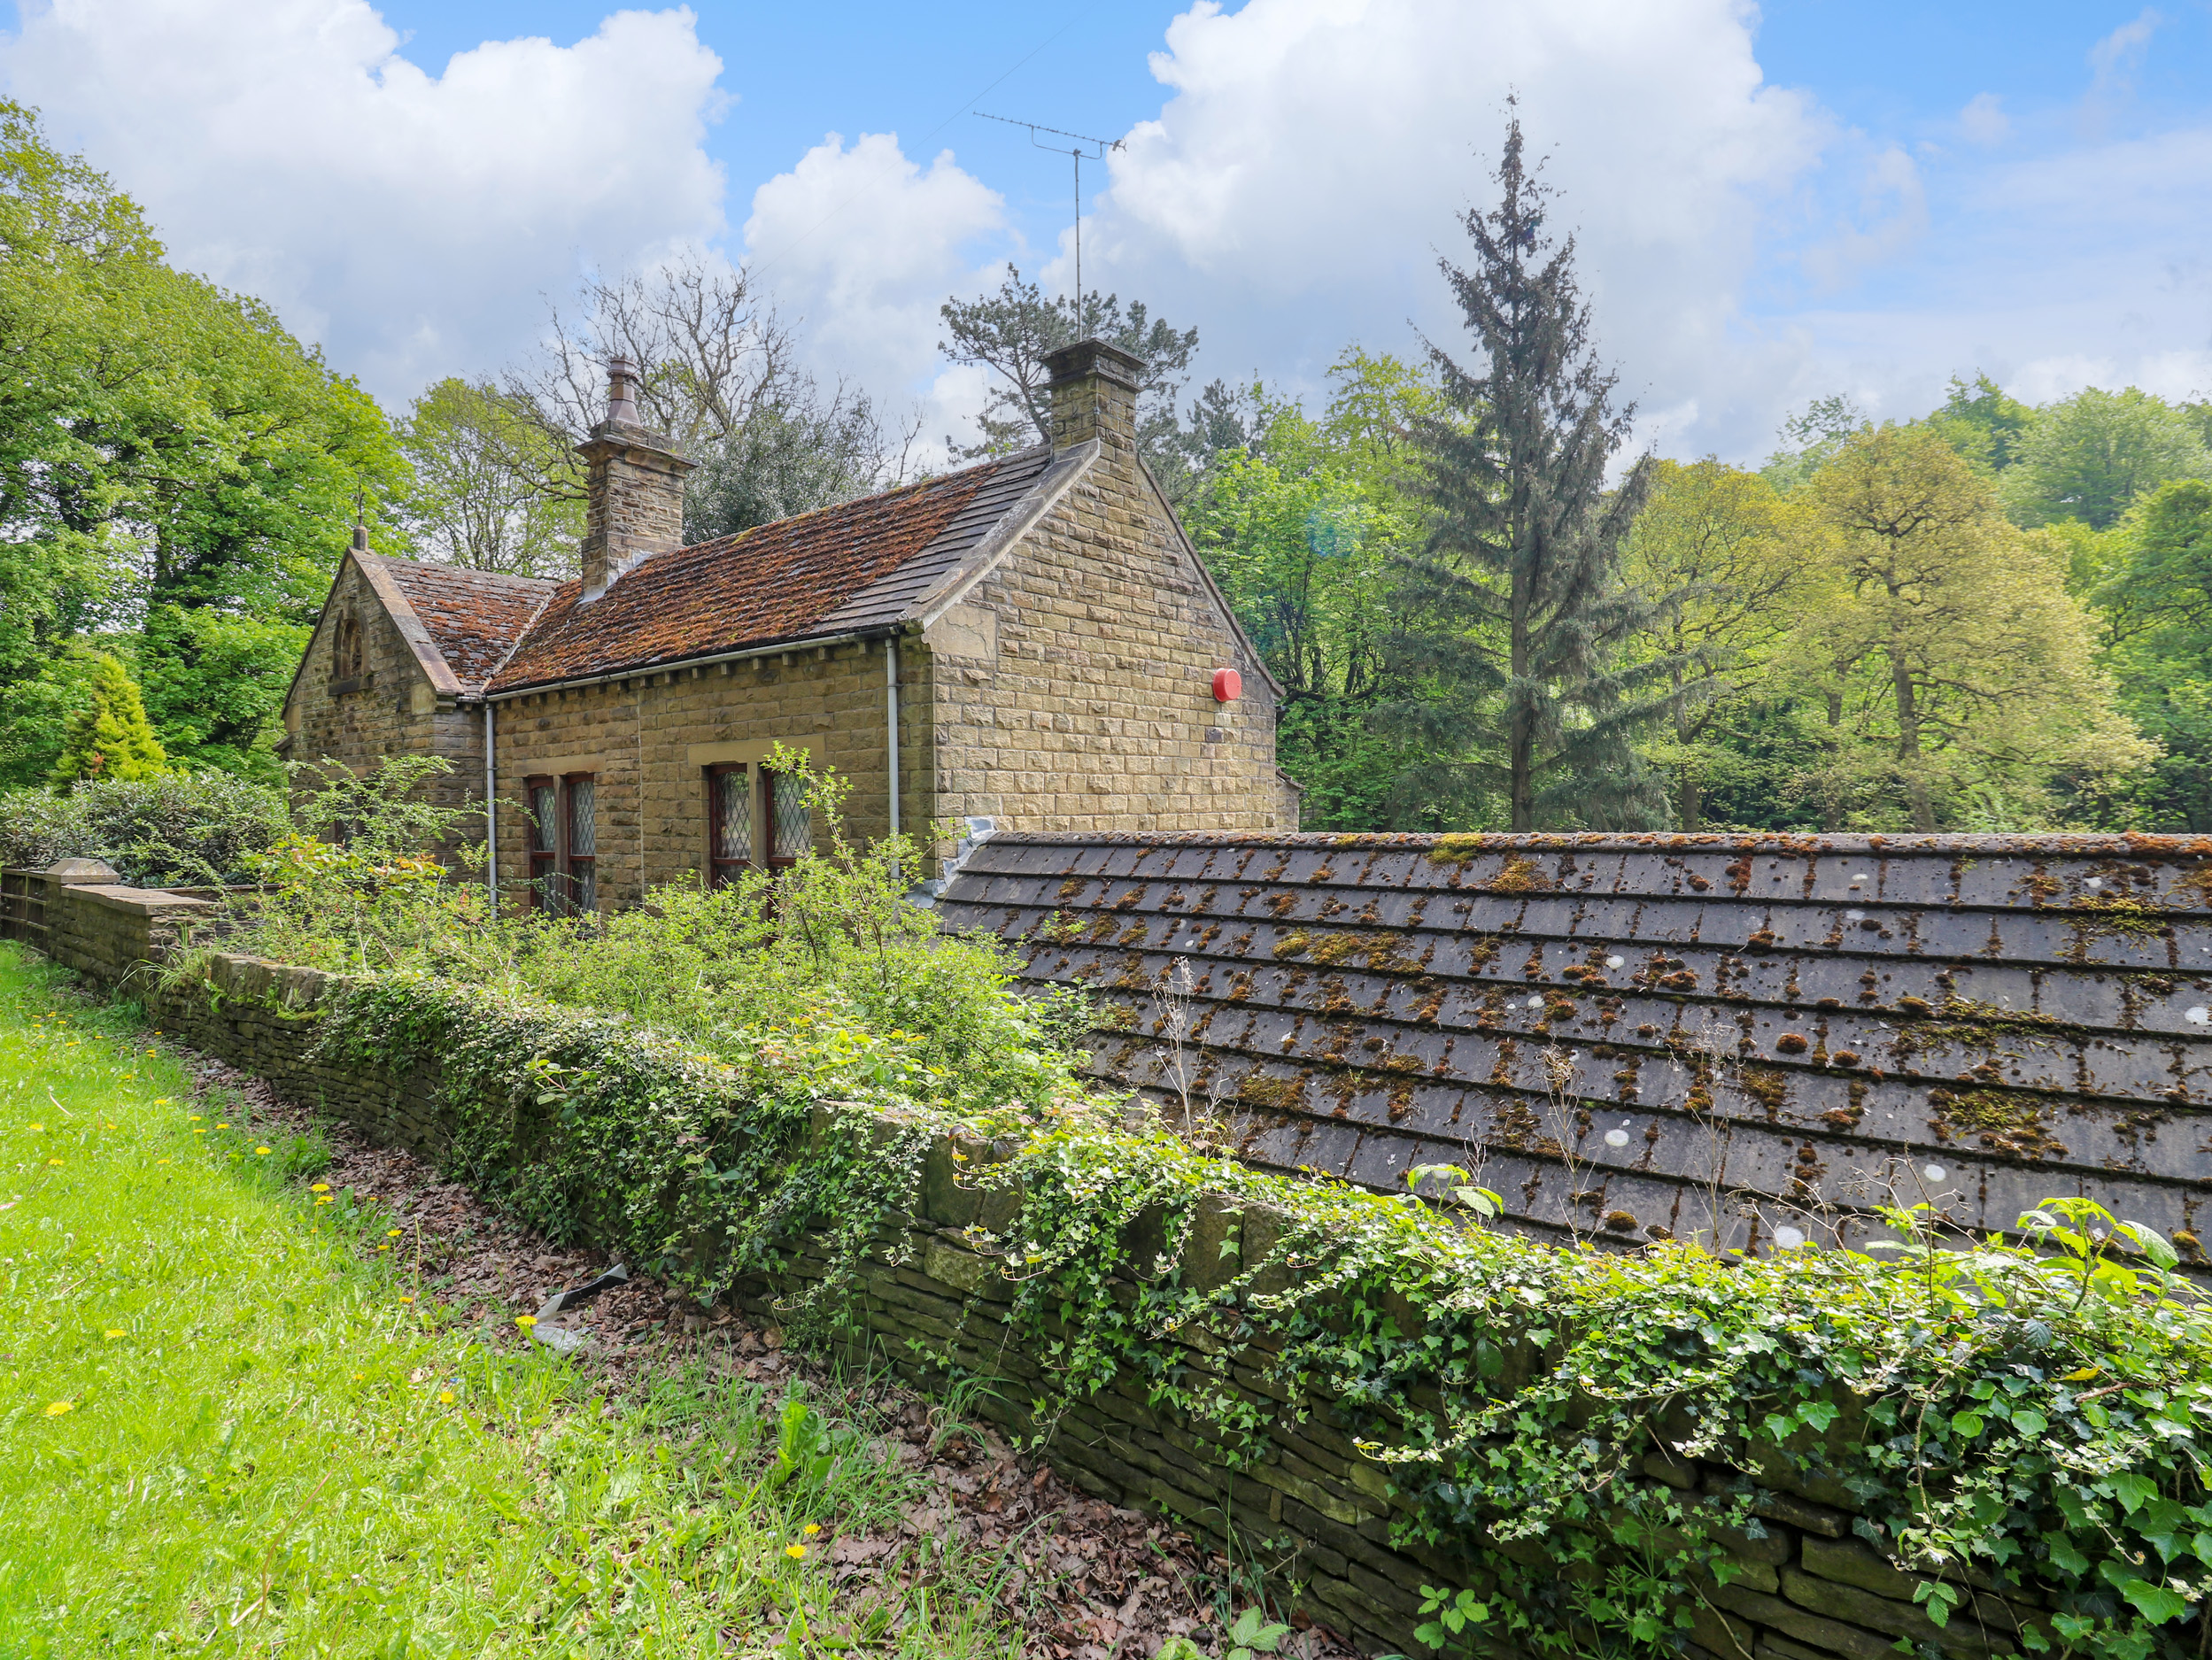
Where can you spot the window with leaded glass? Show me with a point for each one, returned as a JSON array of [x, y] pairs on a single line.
[[790, 825], [545, 840], [582, 836], [729, 822]]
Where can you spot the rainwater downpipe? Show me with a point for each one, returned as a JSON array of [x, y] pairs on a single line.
[[491, 811], [890, 704]]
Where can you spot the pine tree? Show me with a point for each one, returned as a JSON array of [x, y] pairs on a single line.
[[110, 737], [1513, 613]]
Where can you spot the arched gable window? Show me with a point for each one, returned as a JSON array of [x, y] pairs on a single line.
[[348, 657]]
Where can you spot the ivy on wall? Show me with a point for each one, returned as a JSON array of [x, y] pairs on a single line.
[[2030, 1421]]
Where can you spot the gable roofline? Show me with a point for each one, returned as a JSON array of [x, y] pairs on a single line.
[[1220, 599], [420, 645], [428, 657], [1057, 479]]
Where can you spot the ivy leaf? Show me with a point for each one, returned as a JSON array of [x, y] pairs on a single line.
[[2133, 1491], [2154, 1602], [1966, 1425], [1489, 1359], [2063, 1555], [1816, 1415], [2029, 1421]]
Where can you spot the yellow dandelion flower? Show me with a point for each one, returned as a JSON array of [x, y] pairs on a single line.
[[406, 1300], [392, 1234], [115, 1331], [194, 1117], [161, 1100], [161, 1161], [383, 1247], [811, 1529], [222, 1126], [315, 1187], [53, 1161], [55, 1409], [38, 1126], [322, 1199], [526, 1321], [261, 1151], [199, 1132], [445, 1397], [794, 1551]]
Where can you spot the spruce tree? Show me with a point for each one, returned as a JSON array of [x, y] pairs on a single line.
[[109, 737], [1513, 614]]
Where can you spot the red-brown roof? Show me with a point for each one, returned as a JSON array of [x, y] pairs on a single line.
[[473, 617], [784, 580]]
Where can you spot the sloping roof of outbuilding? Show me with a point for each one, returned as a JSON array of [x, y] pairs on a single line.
[[1786, 1030]]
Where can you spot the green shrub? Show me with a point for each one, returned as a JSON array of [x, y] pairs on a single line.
[[195, 829]]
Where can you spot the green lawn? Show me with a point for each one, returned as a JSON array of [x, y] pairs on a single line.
[[225, 1428]]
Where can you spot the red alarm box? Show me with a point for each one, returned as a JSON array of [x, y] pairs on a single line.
[[1228, 685]]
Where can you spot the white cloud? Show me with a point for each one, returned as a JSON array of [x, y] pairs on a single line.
[[1315, 155], [1983, 119], [2114, 59], [407, 221], [867, 243]]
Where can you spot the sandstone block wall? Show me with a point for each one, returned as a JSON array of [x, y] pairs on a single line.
[[1088, 705], [646, 739], [390, 710]]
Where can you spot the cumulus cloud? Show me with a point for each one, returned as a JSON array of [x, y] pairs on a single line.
[[867, 243], [407, 220], [1314, 156]]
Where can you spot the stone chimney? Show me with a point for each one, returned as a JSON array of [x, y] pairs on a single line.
[[634, 489], [1094, 388]]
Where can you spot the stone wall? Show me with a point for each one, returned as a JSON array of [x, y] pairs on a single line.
[[389, 710], [1805, 1589], [1072, 688], [649, 739], [108, 931]]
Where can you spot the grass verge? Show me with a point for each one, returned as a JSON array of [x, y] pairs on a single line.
[[228, 1424]]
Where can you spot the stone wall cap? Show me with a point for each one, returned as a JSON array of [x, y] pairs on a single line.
[[82, 872], [145, 901]]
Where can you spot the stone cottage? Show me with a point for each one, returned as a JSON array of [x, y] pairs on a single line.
[[1026, 644]]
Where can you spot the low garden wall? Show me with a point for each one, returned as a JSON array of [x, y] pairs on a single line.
[[1581, 1453]]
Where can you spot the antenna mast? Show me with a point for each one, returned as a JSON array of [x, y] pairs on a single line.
[[1099, 147]]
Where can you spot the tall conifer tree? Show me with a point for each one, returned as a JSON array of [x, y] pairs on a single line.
[[1513, 612]]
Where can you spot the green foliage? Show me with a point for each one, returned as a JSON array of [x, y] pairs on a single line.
[[173, 464], [1299, 524], [194, 828], [1983, 423], [489, 483], [2032, 1412], [109, 737], [852, 989], [2091, 456]]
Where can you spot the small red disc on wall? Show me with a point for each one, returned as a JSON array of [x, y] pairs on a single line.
[[1228, 685]]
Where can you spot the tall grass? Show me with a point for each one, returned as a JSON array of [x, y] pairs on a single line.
[[227, 1429]]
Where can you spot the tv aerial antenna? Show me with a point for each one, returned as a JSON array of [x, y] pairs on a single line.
[[1098, 149]]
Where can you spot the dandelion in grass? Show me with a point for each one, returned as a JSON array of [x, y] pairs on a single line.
[[318, 1188], [794, 1551], [811, 1529], [406, 1300], [115, 1331], [163, 1101], [526, 1321], [38, 1126], [53, 1161], [261, 1151], [445, 1397], [222, 1126], [55, 1409], [392, 1233]]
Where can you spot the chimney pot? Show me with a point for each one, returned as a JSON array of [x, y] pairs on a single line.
[[622, 391]]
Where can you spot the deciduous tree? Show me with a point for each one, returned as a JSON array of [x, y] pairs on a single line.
[[2091, 456]]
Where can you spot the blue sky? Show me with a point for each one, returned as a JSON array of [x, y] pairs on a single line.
[[1813, 197]]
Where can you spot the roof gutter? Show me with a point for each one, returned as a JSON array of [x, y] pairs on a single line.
[[637, 671]]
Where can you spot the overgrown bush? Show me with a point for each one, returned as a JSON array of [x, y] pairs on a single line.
[[859, 991], [195, 829]]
